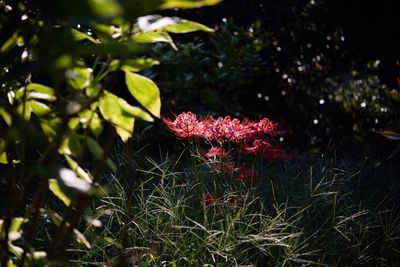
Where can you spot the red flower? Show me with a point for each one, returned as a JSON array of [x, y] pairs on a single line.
[[265, 126], [246, 174], [210, 200], [264, 149], [185, 125], [227, 129], [214, 152]]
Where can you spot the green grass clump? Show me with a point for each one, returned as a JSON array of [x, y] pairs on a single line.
[[305, 214]]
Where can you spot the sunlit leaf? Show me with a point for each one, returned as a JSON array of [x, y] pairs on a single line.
[[170, 24], [81, 239], [97, 151], [3, 154], [71, 180], [39, 108], [79, 78], [14, 231], [145, 91], [6, 116], [185, 26], [3, 158], [154, 37], [50, 126], [55, 188], [71, 144], [91, 119], [25, 109], [105, 31], [187, 3], [9, 43], [17, 251], [78, 170], [138, 64], [154, 22], [80, 36], [105, 8], [391, 135], [39, 255], [40, 91], [122, 115]]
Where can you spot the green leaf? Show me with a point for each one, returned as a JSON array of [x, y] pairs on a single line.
[[391, 135], [105, 8], [122, 115], [185, 26], [91, 119], [78, 170], [3, 155], [168, 4], [40, 91], [80, 36], [39, 108], [154, 37], [158, 23], [139, 64], [71, 144], [14, 231], [11, 42], [16, 224], [6, 116], [81, 239], [69, 180], [3, 158], [25, 109], [145, 91], [55, 188], [79, 78], [50, 126], [17, 251], [97, 151], [105, 32]]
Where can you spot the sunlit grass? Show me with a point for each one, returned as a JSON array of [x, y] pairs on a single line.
[[306, 213]]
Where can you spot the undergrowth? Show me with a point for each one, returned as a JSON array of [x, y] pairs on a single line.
[[306, 213]]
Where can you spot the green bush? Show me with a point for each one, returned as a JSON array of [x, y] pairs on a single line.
[[60, 63], [322, 103]]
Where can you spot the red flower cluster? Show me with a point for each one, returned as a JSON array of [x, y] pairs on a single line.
[[251, 137], [188, 125], [264, 149], [228, 137]]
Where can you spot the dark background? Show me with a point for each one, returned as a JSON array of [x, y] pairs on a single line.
[[325, 70]]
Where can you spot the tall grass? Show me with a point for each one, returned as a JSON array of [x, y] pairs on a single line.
[[305, 214]]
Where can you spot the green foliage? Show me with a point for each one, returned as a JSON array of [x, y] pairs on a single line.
[[59, 68], [243, 71], [310, 212]]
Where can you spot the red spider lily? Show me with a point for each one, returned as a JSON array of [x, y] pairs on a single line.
[[265, 126], [246, 174], [186, 125], [221, 130], [264, 149], [210, 200], [240, 134], [214, 152], [227, 129]]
